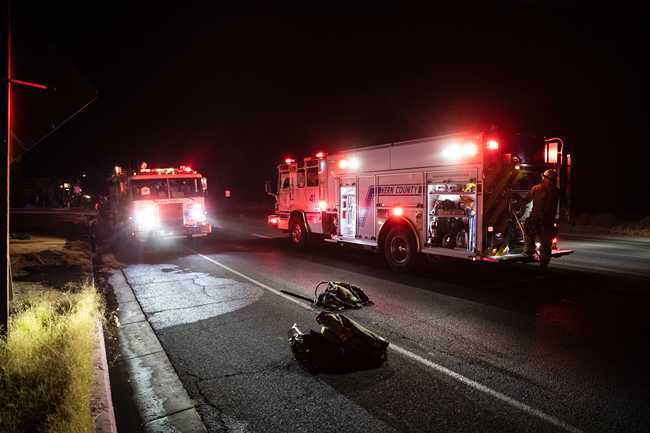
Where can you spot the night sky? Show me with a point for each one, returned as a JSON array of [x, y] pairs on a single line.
[[234, 95]]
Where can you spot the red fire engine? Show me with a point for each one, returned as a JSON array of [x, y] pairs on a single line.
[[159, 202]]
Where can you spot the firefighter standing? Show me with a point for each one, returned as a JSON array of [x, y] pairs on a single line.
[[540, 223]]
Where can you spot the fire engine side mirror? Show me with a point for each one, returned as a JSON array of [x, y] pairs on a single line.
[[204, 184], [267, 188]]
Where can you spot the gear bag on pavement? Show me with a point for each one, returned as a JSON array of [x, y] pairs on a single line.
[[352, 336], [315, 352], [342, 345]]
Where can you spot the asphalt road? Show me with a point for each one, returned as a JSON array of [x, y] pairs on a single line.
[[474, 347], [610, 254]]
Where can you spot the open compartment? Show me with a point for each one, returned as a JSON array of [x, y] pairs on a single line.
[[451, 215]]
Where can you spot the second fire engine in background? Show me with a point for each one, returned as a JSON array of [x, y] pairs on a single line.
[[159, 203], [456, 195]]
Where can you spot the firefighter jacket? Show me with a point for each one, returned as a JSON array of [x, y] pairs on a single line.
[[544, 196]]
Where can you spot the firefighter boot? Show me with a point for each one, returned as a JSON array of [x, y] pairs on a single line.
[[546, 240], [530, 233]]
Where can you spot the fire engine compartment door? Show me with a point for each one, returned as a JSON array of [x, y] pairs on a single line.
[[366, 210], [348, 208], [284, 190]]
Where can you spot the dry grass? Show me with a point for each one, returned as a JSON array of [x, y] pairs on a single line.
[[610, 224], [46, 364], [623, 230]]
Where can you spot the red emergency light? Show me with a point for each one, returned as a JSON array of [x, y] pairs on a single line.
[[551, 152], [289, 160], [320, 155], [492, 145]]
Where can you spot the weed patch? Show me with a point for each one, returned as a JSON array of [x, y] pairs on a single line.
[[46, 363]]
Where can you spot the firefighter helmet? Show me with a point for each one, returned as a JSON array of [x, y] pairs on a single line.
[[550, 174]]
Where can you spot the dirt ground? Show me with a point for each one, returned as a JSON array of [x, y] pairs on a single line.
[[40, 263]]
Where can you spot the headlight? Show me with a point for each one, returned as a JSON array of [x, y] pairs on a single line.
[[146, 216], [197, 213]]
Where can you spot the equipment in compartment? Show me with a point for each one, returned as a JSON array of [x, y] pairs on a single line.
[[451, 215]]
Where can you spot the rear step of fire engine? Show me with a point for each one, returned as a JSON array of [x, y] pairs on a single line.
[[522, 257], [352, 241]]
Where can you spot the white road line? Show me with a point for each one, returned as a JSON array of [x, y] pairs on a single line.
[[439, 368], [262, 236], [254, 281]]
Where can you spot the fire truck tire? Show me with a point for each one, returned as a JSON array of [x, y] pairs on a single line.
[[400, 249], [297, 232]]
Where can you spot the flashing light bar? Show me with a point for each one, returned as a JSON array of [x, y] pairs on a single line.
[[289, 160], [352, 163], [168, 170], [455, 152], [470, 149], [320, 155]]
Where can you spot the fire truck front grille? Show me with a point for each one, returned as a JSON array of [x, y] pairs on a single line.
[[171, 214]]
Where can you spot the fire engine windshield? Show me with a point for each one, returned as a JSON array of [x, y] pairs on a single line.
[[149, 189], [184, 188]]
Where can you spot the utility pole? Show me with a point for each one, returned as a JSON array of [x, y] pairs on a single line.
[[7, 288], [6, 291]]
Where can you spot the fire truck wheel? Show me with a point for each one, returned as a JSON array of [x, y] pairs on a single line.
[[400, 249], [297, 233]]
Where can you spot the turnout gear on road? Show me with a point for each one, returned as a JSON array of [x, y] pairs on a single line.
[[339, 296], [356, 339], [342, 346], [315, 352], [540, 223]]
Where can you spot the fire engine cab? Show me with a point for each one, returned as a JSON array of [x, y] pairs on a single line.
[[159, 202], [458, 195]]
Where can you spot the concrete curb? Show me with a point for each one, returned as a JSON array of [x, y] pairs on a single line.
[[158, 393], [105, 415], [103, 406]]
